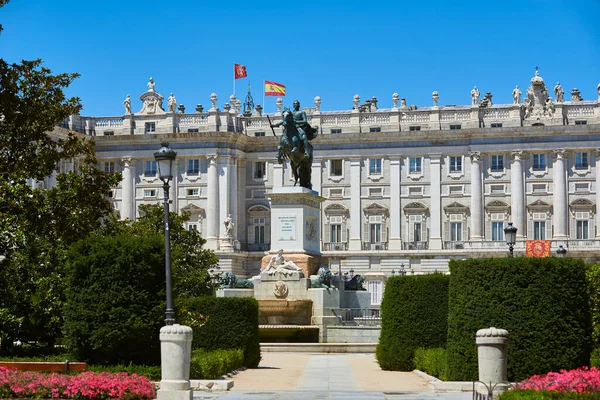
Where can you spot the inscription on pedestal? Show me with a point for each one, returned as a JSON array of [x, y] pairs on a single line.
[[287, 227]]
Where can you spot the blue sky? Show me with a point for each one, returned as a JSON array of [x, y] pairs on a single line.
[[333, 49]]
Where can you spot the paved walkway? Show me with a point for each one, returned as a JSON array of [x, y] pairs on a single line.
[[293, 376]]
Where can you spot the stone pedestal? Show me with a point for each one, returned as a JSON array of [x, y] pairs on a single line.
[[288, 286], [324, 300], [175, 354], [296, 227], [492, 346]]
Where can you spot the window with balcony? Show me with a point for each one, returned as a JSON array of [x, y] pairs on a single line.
[[456, 230], [581, 161], [539, 230], [336, 167], [375, 166], [539, 162], [497, 163], [192, 227], [150, 168], [415, 165], [455, 164], [259, 230], [193, 167], [336, 228], [582, 229], [375, 228]]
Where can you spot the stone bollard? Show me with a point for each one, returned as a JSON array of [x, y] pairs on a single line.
[[491, 351], [175, 354]]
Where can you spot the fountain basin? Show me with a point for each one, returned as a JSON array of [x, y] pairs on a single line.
[[284, 312]]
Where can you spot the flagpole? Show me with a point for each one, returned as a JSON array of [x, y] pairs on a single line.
[[233, 79], [263, 104]]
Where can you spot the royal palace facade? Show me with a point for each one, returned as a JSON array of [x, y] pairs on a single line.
[[402, 186]]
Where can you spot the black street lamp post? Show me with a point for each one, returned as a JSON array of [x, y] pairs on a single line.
[[561, 251], [402, 271], [164, 159], [510, 234]]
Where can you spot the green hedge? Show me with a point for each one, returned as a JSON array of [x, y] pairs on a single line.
[[414, 314], [546, 395], [216, 363], [432, 361], [152, 372], [115, 307], [224, 323], [542, 302]]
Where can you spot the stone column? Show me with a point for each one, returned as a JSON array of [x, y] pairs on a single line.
[[435, 233], [233, 188], [492, 358], [517, 195], [355, 211], [175, 355], [476, 197], [559, 197], [395, 214], [128, 189], [212, 204], [224, 191], [597, 171], [174, 186]]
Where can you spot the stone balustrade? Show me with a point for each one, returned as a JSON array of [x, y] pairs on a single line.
[[351, 121]]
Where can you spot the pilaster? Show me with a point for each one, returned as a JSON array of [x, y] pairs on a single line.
[[317, 176], [517, 195], [355, 211], [174, 186], [476, 197], [395, 215], [559, 196], [597, 193], [435, 235], [224, 206], [278, 172]]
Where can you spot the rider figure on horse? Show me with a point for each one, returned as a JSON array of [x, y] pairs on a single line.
[[302, 126]]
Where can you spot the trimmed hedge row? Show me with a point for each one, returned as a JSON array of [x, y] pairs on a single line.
[[114, 299], [542, 302], [224, 323], [432, 361], [414, 314], [216, 363], [547, 395]]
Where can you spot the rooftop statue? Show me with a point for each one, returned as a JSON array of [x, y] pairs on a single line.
[[294, 144], [559, 92], [151, 85]]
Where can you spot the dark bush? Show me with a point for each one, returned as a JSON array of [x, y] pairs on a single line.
[[115, 292], [151, 372], [224, 323], [542, 302], [414, 314], [215, 363], [547, 395], [432, 361]]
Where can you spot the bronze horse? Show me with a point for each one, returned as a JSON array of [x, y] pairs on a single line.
[[301, 164]]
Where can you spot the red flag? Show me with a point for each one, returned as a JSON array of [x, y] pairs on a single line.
[[239, 71], [537, 248]]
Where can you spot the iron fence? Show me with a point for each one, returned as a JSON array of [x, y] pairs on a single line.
[[357, 316]]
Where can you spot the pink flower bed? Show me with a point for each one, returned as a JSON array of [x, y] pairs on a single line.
[[87, 385], [580, 380]]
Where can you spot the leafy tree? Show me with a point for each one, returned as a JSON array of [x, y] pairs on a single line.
[[36, 226], [190, 263]]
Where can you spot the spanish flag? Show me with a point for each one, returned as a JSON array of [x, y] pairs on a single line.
[[537, 248], [274, 89]]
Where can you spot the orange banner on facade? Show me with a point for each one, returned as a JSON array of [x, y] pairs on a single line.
[[537, 248]]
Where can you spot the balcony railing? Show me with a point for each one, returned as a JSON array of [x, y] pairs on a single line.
[[416, 245], [258, 246], [335, 246], [454, 244], [374, 246]]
